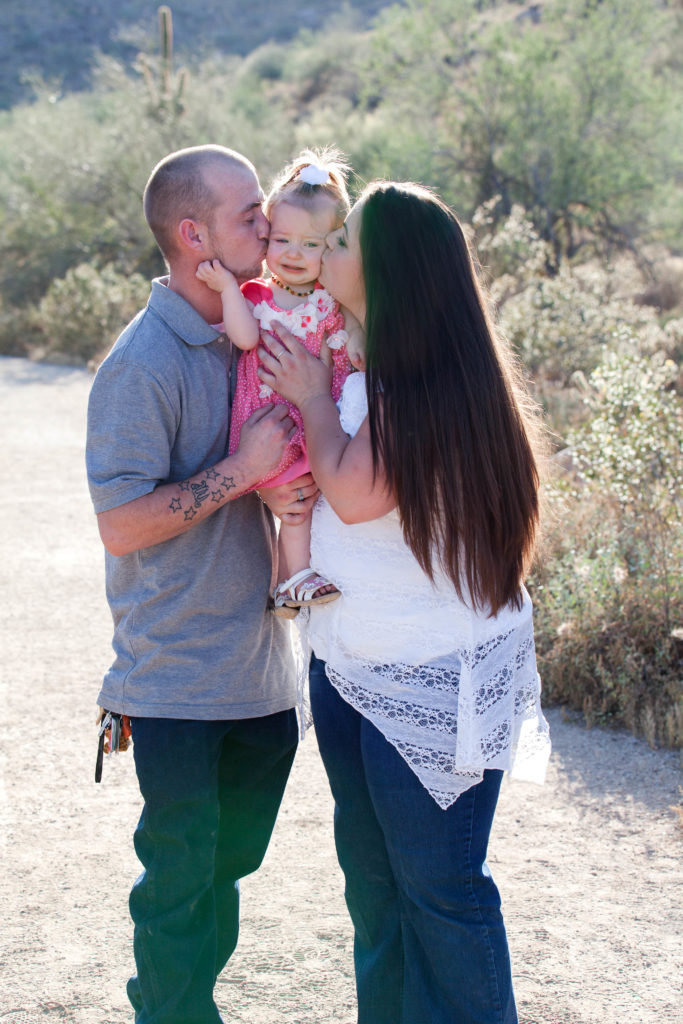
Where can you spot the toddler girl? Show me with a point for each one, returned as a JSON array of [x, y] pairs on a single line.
[[307, 202]]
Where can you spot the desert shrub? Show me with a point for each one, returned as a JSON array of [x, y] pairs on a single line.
[[565, 322], [564, 107], [562, 320], [609, 589], [82, 313], [509, 247], [15, 336], [72, 187], [267, 61]]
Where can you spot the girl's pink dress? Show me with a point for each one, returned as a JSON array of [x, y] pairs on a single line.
[[315, 319]]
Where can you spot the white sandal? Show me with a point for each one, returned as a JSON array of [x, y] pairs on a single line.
[[299, 591]]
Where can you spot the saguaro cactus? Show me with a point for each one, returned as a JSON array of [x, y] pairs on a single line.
[[165, 88]]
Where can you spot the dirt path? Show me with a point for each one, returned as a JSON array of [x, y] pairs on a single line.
[[589, 865]]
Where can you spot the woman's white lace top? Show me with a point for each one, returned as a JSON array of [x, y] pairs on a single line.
[[453, 690]]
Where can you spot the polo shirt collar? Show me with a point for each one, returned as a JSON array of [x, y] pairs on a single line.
[[179, 315]]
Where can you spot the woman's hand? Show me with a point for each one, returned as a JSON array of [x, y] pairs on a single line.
[[293, 501], [291, 370]]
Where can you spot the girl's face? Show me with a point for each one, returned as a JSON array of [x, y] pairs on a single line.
[[342, 269], [297, 241]]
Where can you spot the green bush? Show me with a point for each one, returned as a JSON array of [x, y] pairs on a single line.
[[609, 590], [72, 185], [563, 320], [564, 323], [83, 313], [564, 107], [15, 336]]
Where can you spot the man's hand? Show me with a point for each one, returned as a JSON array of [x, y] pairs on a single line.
[[292, 501], [263, 439]]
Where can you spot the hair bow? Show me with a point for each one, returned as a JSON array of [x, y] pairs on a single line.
[[314, 175]]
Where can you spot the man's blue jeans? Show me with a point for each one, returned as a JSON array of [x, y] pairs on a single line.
[[212, 791], [430, 944]]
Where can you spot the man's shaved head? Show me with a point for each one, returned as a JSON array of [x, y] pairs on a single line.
[[178, 187]]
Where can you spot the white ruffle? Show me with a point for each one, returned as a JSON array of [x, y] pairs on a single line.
[[454, 690], [301, 320]]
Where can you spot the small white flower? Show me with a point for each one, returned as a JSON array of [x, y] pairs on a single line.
[[337, 340], [265, 391]]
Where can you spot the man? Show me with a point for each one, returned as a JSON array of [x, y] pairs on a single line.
[[201, 666]]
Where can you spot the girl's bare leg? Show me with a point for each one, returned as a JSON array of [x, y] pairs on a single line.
[[294, 551], [294, 548]]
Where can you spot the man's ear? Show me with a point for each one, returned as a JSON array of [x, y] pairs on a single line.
[[192, 233]]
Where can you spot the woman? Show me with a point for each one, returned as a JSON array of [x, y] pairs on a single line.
[[423, 682]]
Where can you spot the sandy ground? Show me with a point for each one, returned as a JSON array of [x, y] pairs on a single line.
[[589, 865]]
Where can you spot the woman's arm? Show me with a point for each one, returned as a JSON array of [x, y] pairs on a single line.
[[342, 466]]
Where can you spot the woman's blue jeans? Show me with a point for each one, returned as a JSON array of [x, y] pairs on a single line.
[[430, 944]]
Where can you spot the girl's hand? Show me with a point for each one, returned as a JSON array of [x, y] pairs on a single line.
[[356, 357], [291, 370], [216, 276]]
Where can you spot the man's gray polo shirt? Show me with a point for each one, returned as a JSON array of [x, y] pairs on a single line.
[[192, 636]]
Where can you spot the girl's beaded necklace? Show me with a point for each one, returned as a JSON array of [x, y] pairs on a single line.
[[286, 288]]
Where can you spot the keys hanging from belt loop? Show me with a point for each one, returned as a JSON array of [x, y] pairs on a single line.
[[113, 736], [105, 723]]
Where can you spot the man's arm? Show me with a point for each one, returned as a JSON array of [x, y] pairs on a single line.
[[172, 509]]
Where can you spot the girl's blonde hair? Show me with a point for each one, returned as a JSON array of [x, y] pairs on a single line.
[[289, 186]]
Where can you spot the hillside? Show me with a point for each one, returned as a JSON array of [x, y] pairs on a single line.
[[59, 40]]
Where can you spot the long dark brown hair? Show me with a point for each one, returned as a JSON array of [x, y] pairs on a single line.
[[450, 418]]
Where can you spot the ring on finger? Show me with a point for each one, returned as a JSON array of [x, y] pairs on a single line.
[[299, 494]]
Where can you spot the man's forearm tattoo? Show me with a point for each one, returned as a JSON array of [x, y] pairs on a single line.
[[212, 485]]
